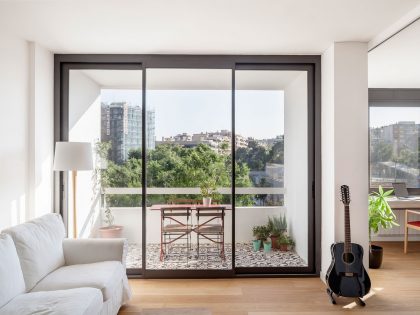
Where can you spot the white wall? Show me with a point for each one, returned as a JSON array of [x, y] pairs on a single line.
[[344, 150], [23, 76], [84, 126], [41, 133], [296, 162], [14, 97]]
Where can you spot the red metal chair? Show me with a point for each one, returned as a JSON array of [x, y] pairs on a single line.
[[409, 225]]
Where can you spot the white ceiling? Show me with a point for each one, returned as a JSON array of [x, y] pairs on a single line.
[[192, 79], [396, 63], [199, 26]]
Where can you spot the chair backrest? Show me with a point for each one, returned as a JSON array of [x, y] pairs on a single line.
[[175, 211], [210, 211]]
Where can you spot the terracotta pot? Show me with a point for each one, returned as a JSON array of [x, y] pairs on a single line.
[[283, 247], [113, 231], [274, 243]]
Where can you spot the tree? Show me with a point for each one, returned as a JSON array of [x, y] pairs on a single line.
[[176, 166], [381, 152], [276, 154], [254, 155]]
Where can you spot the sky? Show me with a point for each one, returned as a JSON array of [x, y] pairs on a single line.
[[259, 114], [383, 116]]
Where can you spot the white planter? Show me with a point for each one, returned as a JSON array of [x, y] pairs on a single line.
[[207, 201]]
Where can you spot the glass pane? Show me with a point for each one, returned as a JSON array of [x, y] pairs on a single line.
[[271, 169], [394, 146], [105, 110], [191, 160]]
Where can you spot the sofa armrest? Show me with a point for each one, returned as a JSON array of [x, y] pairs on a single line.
[[91, 250]]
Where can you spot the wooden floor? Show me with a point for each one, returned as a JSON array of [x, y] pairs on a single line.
[[395, 290]]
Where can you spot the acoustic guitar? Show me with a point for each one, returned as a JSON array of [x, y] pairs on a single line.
[[346, 276]]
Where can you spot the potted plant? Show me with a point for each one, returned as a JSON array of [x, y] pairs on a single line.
[[380, 216], [111, 230], [267, 246], [208, 191], [285, 243], [256, 244], [102, 179], [277, 226], [261, 233]]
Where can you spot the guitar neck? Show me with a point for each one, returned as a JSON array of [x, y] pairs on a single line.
[[347, 240]]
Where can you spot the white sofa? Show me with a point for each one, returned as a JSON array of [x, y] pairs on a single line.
[[41, 272]]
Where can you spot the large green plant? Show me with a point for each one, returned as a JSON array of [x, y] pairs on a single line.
[[380, 213], [277, 225]]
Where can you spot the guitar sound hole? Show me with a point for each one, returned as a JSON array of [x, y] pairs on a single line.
[[348, 258]]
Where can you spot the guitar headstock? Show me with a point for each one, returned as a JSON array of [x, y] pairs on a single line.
[[345, 194]]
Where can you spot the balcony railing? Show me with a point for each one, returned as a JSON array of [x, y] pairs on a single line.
[[194, 191]]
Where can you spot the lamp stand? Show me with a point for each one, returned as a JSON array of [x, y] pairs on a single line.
[[74, 177]]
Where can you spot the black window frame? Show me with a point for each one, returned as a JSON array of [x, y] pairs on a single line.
[[63, 63], [393, 97]]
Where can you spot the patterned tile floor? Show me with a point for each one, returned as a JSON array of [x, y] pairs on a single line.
[[208, 258]]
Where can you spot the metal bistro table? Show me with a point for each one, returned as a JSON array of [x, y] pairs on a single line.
[[210, 229]]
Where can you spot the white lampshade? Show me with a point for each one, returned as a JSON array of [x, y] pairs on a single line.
[[73, 156]]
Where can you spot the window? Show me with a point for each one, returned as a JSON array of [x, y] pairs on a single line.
[[394, 140]]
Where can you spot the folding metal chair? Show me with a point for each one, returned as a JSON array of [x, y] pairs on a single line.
[[178, 228], [211, 227]]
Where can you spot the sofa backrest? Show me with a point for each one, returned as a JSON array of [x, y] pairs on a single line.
[[39, 245], [11, 277]]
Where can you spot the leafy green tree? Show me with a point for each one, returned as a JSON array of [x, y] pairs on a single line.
[[381, 152], [276, 154], [407, 157], [254, 155], [175, 166]]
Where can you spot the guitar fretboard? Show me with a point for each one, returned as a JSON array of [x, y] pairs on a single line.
[[347, 240]]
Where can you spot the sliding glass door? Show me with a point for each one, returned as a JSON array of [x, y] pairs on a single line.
[[271, 153], [105, 110], [190, 160], [206, 167]]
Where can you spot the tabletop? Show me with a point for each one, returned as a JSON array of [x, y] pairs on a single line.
[[191, 206], [403, 204]]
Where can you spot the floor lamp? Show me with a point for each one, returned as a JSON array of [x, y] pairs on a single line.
[[73, 156]]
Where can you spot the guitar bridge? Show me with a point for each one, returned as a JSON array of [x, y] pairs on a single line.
[[349, 274]]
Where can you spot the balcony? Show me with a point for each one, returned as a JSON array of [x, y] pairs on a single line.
[[246, 218]]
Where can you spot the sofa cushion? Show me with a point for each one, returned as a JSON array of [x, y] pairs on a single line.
[[82, 301], [39, 244], [11, 277], [105, 276]]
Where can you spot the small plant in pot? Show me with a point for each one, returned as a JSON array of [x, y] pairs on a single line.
[[208, 191], [277, 226], [267, 246], [261, 233], [111, 230], [380, 216], [285, 243]]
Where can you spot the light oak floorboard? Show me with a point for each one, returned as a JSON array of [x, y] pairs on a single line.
[[395, 290]]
